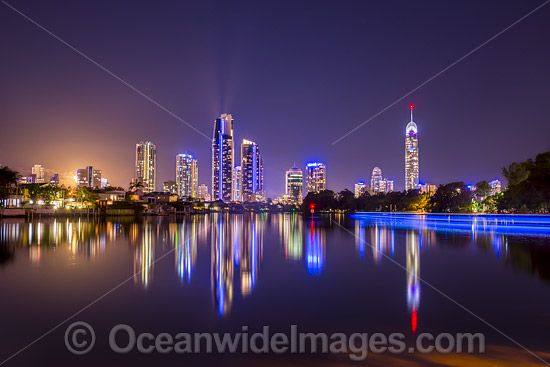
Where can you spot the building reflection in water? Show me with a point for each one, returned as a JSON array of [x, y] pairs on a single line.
[[144, 257], [413, 274], [237, 246], [222, 264], [251, 249], [315, 248], [382, 240], [184, 237], [291, 232]]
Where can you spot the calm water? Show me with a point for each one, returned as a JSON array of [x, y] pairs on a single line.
[[217, 273]]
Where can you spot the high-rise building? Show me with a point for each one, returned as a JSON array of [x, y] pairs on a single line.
[[54, 180], [222, 158], [411, 155], [146, 163], [237, 182], [252, 172], [316, 177], [170, 186], [360, 188], [187, 176], [203, 193], [294, 179], [496, 186], [385, 185], [88, 177], [38, 170], [375, 179]]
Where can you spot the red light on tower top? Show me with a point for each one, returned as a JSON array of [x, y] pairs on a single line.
[[412, 106]]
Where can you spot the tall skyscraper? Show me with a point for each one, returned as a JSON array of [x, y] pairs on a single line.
[[237, 182], [187, 176], [294, 183], [360, 188], [252, 172], [88, 177], [375, 179], [146, 163], [316, 176], [38, 170], [411, 155], [222, 158]]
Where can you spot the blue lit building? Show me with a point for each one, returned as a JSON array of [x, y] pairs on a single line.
[[252, 172], [222, 158], [316, 177]]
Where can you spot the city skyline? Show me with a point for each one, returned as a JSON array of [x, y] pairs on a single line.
[[350, 88]]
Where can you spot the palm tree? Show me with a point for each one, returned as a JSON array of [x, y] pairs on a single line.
[[136, 185]]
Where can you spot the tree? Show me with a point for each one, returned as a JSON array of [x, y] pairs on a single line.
[[528, 186], [136, 185], [452, 198], [8, 178], [483, 189]]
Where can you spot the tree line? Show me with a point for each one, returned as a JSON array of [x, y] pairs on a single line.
[[528, 191]]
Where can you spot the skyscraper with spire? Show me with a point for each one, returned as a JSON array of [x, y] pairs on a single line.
[[222, 158], [411, 155]]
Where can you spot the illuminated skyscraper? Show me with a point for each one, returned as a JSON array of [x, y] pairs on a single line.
[[146, 163], [222, 158], [237, 182], [294, 183], [316, 176], [88, 177], [187, 176], [38, 170], [411, 155], [360, 188], [375, 179], [252, 172]]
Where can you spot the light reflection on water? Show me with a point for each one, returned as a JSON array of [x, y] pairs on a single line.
[[314, 266]]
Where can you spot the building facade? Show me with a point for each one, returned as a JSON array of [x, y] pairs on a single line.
[[385, 185], [294, 182], [316, 177], [237, 181], [252, 172], [146, 163], [360, 188], [411, 155], [203, 193], [38, 170], [376, 177], [170, 186], [88, 177], [187, 176], [222, 158]]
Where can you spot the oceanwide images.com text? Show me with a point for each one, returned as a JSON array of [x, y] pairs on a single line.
[[80, 339]]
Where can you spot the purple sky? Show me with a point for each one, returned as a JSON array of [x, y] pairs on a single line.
[[296, 76]]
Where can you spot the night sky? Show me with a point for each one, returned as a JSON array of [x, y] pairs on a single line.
[[296, 76]]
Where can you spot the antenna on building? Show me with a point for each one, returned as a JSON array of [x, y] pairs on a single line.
[[412, 106]]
